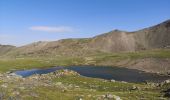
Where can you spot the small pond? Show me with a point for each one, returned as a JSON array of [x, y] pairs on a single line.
[[116, 73]]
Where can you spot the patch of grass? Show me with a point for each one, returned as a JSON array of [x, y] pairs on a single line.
[[116, 88], [97, 84], [28, 63], [160, 53]]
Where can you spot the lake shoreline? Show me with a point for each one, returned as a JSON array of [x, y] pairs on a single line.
[[103, 72]]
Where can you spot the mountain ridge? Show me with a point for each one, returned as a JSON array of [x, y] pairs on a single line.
[[153, 37]]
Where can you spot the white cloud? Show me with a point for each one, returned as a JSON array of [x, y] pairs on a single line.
[[60, 29]]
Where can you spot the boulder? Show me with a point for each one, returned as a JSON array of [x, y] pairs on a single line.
[[4, 85], [58, 83], [167, 81], [164, 83], [112, 97], [109, 96], [135, 88], [55, 74], [112, 80], [116, 97]]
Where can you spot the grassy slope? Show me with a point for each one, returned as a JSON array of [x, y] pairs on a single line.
[[90, 88], [86, 88], [97, 59], [86, 85]]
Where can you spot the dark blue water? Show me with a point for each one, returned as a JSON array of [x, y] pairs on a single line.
[[116, 73]]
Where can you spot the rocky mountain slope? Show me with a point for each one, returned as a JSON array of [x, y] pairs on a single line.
[[115, 41], [5, 48], [149, 38]]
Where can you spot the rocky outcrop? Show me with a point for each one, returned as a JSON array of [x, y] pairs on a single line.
[[52, 75]]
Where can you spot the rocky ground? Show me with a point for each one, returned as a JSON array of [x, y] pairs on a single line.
[[69, 85]]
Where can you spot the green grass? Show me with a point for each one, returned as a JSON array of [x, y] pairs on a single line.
[[86, 86], [98, 84], [28, 63], [161, 53], [117, 88], [109, 59], [90, 89]]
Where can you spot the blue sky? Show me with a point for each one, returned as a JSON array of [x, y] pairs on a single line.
[[26, 21]]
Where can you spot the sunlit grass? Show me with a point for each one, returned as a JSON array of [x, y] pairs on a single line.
[[97, 59]]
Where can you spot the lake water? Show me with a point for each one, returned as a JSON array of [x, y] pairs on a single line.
[[116, 73]]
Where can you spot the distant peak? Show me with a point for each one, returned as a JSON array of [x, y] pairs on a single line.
[[40, 42], [117, 30], [167, 23]]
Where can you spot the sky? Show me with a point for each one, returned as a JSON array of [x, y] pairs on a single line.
[[26, 21]]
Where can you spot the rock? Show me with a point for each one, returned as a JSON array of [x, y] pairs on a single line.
[[16, 93], [112, 80], [13, 74], [167, 81], [64, 90], [22, 88], [105, 81], [55, 74], [8, 72], [67, 72], [80, 98], [70, 86], [111, 97], [58, 83], [135, 88], [151, 84], [117, 97], [32, 94], [84, 82], [167, 93], [164, 83], [4, 85], [34, 77], [89, 95], [123, 82], [76, 86]]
